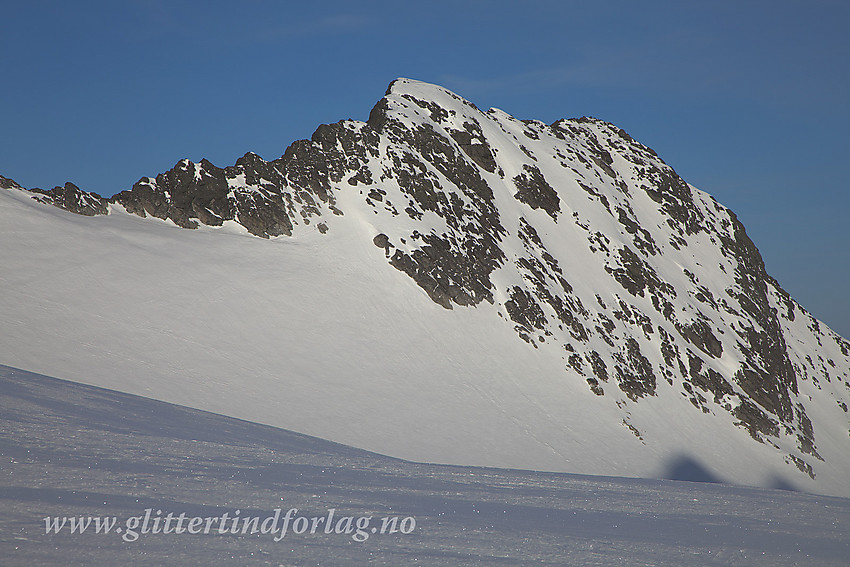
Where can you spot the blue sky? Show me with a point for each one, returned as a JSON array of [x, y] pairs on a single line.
[[748, 100]]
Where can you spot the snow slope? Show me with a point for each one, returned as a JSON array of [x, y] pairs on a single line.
[[94, 452], [444, 285]]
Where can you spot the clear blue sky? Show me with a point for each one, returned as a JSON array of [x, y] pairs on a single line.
[[748, 100]]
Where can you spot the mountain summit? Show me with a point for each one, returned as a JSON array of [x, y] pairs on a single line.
[[444, 284]]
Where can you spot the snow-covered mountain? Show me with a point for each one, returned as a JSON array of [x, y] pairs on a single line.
[[440, 284]]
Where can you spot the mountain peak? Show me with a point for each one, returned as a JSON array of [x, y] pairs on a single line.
[[429, 91], [576, 242]]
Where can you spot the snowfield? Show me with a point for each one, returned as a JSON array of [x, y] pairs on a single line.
[[73, 450]]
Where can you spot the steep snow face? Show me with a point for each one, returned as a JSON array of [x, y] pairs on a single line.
[[449, 285]]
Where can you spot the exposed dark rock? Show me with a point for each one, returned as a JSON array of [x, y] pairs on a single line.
[[636, 378], [598, 365], [673, 194], [6, 183], [187, 194], [524, 310], [378, 115], [636, 276], [755, 420], [71, 198], [474, 144], [806, 435], [595, 387], [802, 465], [454, 267], [438, 113], [435, 270], [707, 379], [767, 375], [534, 191], [383, 241], [699, 334]]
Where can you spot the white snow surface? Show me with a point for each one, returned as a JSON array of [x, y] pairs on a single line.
[[317, 333], [70, 450]]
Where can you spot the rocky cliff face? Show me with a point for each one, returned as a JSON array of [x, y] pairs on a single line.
[[577, 236]]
